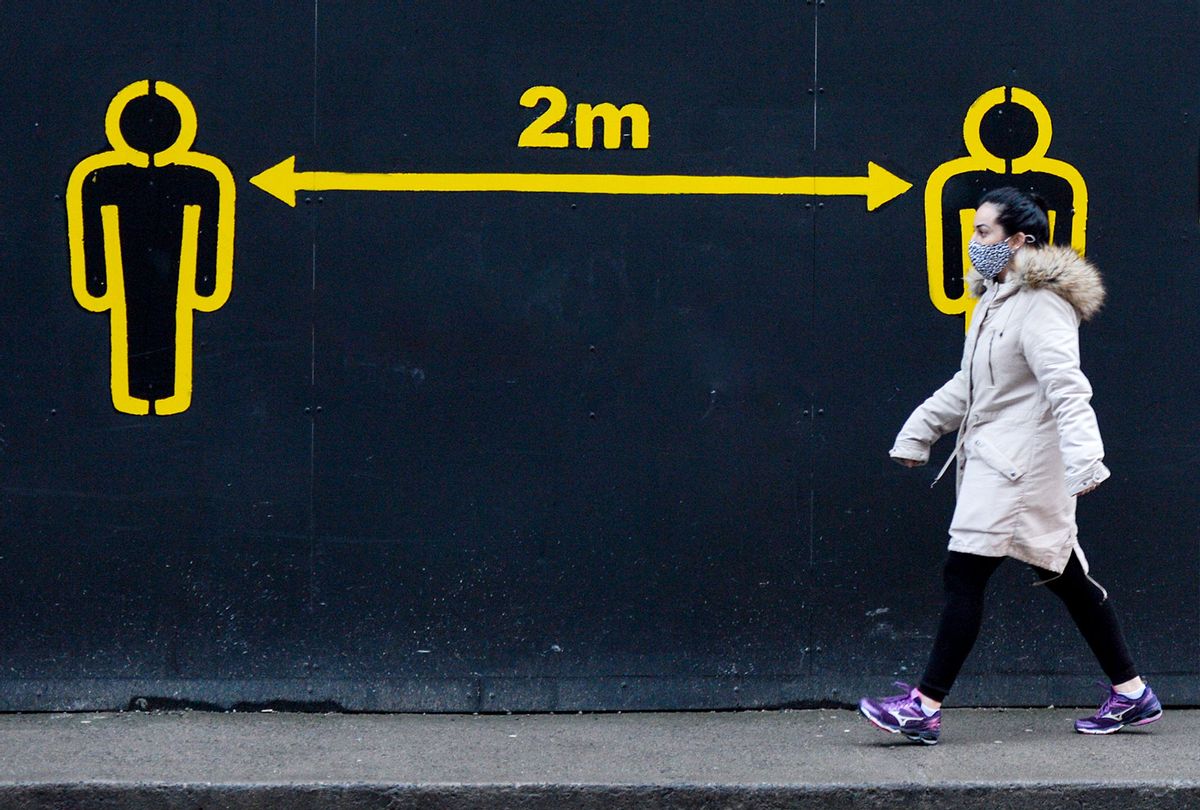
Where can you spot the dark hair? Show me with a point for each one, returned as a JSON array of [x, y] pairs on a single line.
[[1020, 211]]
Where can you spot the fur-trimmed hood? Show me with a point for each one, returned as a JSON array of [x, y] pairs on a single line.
[[1058, 269]]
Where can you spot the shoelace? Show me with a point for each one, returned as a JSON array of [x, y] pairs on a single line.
[[1113, 698], [898, 700]]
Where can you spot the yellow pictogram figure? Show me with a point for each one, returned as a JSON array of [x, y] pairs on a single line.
[[947, 230], [150, 231]]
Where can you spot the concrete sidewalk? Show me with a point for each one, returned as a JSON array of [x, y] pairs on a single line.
[[828, 758]]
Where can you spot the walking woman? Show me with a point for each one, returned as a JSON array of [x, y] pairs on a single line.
[[1028, 446]]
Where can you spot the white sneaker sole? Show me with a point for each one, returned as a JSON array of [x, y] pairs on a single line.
[[1145, 721]]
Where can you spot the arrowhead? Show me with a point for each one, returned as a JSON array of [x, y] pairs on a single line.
[[279, 181], [883, 186]]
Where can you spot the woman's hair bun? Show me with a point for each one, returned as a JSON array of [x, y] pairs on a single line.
[[1020, 212]]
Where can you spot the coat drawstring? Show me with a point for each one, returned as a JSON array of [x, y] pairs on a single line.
[[946, 466]]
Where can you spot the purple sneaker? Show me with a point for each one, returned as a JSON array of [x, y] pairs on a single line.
[[1118, 711], [902, 714]]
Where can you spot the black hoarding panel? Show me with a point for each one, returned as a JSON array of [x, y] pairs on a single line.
[[559, 437], [555, 362], [1056, 100], [146, 554]]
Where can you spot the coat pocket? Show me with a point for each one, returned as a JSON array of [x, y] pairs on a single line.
[[995, 458]]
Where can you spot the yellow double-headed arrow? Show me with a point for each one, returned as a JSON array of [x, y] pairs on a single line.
[[283, 181]]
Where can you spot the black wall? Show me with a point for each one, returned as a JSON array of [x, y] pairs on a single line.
[[515, 451]]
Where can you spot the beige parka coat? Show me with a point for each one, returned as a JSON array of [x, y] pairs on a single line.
[[1028, 441]]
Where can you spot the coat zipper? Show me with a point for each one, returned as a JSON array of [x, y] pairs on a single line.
[[958, 443], [991, 373]]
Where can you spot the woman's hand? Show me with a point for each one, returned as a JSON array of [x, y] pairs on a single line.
[[1086, 490], [908, 462]]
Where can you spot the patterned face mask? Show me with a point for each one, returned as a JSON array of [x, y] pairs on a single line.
[[989, 260]]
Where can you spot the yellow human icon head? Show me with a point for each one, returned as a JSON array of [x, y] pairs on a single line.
[[160, 147], [973, 128], [948, 228]]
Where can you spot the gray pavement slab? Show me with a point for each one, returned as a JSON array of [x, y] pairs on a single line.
[[830, 758]]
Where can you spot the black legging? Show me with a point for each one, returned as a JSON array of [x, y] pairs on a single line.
[[966, 577]]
